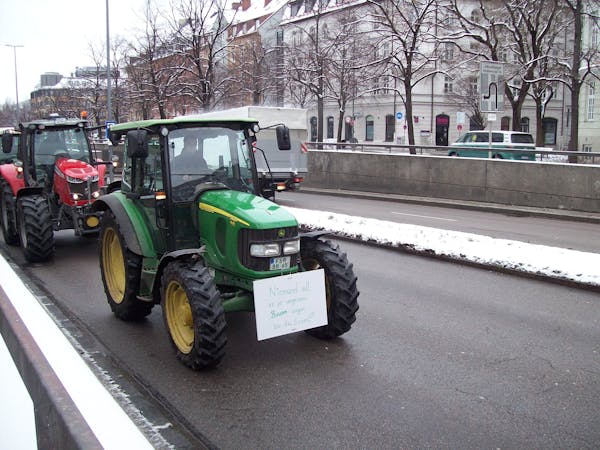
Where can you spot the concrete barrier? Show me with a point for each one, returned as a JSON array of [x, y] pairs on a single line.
[[523, 183]]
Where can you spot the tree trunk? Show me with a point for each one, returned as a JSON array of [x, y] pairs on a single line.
[[575, 81], [409, 117]]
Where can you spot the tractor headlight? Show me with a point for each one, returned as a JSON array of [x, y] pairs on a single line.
[[76, 197], [265, 250], [291, 247]]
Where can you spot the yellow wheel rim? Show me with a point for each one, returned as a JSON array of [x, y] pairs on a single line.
[[179, 317], [113, 265]]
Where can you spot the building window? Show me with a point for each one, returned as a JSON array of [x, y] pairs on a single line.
[[330, 127], [448, 88], [390, 127], [313, 129], [505, 123], [525, 124], [449, 51], [594, 29], [549, 128], [369, 128], [591, 100]]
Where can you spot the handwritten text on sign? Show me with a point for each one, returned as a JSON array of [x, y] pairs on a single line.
[[290, 303]]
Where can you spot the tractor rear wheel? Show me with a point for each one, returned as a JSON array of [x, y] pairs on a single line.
[[35, 228], [193, 314], [7, 215], [340, 286], [121, 271]]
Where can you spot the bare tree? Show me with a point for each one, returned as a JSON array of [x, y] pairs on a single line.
[[152, 75], [252, 71], [409, 28], [531, 31], [346, 67], [581, 64], [308, 56], [200, 46]]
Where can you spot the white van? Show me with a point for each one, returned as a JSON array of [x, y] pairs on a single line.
[[475, 144]]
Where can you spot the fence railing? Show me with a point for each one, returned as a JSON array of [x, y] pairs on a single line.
[[542, 153]]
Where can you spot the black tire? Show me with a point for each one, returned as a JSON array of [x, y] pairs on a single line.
[[35, 228], [340, 286], [8, 218], [497, 156], [453, 154], [121, 271], [193, 314]]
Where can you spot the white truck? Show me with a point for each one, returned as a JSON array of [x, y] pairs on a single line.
[[278, 170]]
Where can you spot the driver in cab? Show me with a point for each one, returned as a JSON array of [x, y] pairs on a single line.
[[189, 162]]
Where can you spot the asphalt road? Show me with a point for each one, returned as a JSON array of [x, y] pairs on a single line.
[[441, 355], [516, 226]]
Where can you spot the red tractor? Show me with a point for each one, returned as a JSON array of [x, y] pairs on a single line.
[[50, 186]]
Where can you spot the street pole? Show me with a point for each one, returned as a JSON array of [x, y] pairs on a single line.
[[14, 47], [108, 92]]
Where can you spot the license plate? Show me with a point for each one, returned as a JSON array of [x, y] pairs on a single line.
[[279, 263]]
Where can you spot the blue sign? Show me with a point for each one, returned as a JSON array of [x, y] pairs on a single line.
[[109, 124], [399, 115]]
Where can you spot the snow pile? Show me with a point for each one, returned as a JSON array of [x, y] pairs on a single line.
[[577, 266]]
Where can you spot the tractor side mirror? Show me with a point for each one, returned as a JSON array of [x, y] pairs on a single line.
[[137, 143], [7, 143], [114, 138], [283, 138]]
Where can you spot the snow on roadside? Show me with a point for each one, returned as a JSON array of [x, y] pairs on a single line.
[[573, 265]]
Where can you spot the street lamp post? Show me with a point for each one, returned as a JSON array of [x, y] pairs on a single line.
[[108, 90], [14, 47]]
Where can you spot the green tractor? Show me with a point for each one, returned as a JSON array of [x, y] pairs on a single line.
[[187, 228]]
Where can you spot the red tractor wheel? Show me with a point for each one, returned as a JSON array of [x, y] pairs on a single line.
[[35, 228], [8, 220]]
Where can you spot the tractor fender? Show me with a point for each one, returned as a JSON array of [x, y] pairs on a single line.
[[313, 234], [188, 253], [35, 190], [108, 202], [8, 174]]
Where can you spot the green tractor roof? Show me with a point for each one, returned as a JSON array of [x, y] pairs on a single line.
[[190, 120]]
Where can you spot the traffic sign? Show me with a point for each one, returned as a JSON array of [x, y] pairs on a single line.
[[399, 115], [491, 86]]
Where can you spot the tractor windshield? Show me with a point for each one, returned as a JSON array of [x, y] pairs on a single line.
[[208, 155], [51, 143]]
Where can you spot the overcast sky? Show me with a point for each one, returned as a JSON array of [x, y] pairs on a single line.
[[55, 35]]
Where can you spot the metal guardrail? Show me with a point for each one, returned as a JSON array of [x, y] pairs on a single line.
[[433, 150]]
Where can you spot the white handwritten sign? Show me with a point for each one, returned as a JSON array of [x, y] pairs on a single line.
[[290, 303]]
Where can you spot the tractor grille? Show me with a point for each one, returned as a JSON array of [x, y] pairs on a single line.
[[82, 188], [247, 237]]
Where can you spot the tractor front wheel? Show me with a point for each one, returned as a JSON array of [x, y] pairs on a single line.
[[7, 215], [35, 228], [121, 271], [340, 286], [193, 314]]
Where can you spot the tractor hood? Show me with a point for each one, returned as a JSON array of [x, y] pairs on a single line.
[[75, 168], [245, 209]]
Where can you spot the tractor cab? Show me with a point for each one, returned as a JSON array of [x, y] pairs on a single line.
[[175, 162], [58, 147]]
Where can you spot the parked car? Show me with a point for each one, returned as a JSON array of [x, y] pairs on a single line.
[[475, 144]]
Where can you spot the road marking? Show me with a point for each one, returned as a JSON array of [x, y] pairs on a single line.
[[424, 217]]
